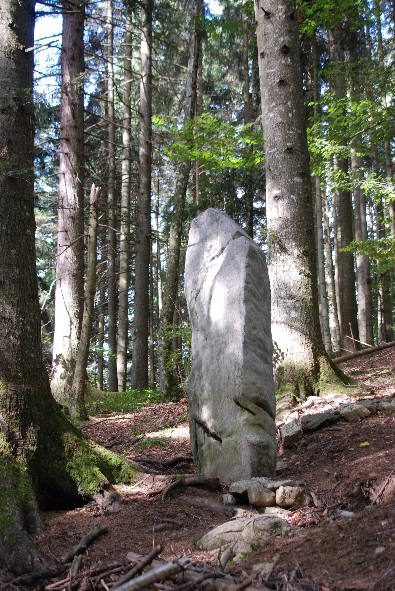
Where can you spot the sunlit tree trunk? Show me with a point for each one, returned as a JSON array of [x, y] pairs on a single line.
[[319, 231], [78, 389], [292, 269], [111, 231], [70, 243], [330, 278], [143, 233], [342, 212], [168, 381], [365, 311], [248, 117], [123, 281]]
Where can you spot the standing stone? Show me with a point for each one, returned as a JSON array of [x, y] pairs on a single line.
[[231, 388]]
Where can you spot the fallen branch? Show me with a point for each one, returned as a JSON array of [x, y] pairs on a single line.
[[382, 489], [32, 578], [154, 575], [139, 567], [85, 541], [364, 352], [167, 463], [186, 480]]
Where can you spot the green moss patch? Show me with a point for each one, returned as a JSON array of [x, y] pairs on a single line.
[[102, 403]]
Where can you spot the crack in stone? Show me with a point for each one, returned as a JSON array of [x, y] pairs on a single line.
[[208, 431]]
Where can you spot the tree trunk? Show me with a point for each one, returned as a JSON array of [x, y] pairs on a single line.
[[111, 231], [365, 311], [124, 256], [248, 117], [168, 381], [343, 213], [295, 320], [319, 231], [41, 452], [78, 390], [143, 234], [330, 278], [70, 248]]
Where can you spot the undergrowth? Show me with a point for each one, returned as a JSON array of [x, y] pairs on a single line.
[[101, 403]]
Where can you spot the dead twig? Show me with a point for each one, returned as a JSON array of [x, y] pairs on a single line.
[[186, 480], [85, 541], [146, 560], [382, 489], [161, 573]]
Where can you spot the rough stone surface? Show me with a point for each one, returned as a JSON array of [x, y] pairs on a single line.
[[231, 387], [319, 420], [354, 412], [371, 405], [244, 535], [260, 496], [291, 432], [387, 406], [290, 496]]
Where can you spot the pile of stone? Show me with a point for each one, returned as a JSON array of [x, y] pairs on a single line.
[[316, 413], [267, 492]]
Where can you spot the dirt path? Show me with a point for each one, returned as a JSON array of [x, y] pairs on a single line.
[[347, 543]]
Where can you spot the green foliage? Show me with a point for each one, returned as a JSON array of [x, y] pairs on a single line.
[[215, 144], [101, 403], [326, 13], [380, 249]]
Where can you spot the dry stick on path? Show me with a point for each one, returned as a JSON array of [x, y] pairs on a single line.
[[364, 352], [382, 489], [187, 480], [139, 567], [85, 541], [160, 573]]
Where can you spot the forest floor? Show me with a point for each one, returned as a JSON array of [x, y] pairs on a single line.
[[350, 467]]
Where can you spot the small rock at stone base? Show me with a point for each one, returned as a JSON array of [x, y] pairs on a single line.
[[276, 511], [353, 412], [290, 496], [260, 496], [388, 406], [319, 420], [228, 499], [291, 432], [371, 405]]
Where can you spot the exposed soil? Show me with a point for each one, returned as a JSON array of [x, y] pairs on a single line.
[[347, 543]]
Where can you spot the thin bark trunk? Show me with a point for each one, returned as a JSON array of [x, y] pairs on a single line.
[[168, 381], [365, 311], [319, 233], [100, 335], [143, 235], [123, 281], [78, 390], [70, 248], [343, 213], [248, 187], [111, 231], [330, 278]]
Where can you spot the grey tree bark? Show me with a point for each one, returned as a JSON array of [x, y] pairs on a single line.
[[168, 381], [124, 252], [38, 445], [69, 292], [292, 269], [111, 199], [143, 233], [78, 389], [342, 212]]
